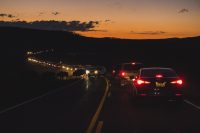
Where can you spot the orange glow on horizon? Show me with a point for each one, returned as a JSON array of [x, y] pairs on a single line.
[[135, 19]]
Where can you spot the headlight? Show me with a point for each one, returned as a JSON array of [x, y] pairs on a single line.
[[87, 71], [96, 72]]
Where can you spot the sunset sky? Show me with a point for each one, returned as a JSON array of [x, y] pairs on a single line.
[[134, 19]]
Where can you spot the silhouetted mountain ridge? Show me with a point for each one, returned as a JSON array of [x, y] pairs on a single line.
[[33, 39], [182, 54], [16, 41]]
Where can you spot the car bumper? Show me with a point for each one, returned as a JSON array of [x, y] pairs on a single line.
[[160, 93]]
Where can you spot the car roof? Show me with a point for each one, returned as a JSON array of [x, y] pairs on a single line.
[[156, 68], [91, 67], [131, 63]]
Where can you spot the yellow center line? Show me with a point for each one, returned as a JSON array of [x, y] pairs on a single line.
[[99, 127], [97, 113]]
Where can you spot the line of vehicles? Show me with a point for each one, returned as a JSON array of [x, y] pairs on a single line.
[[64, 70], [149, 81], [90, 71], [142, 81]]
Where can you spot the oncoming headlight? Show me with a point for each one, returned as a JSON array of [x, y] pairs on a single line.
[[95, 72], [87, 71]]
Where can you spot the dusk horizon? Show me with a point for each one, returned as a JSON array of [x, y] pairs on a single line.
[[13, 24], [100, 66], [130, 19]]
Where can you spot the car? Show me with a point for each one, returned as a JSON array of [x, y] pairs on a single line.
[[125, 72], [92, 72], [158, 82], [101, 70], [79, 72]]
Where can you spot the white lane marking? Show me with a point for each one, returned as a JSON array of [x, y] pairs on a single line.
[[99, 127], [97, 113], [36, 98], [192, 104]]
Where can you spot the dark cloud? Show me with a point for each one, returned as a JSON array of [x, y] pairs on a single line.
[[107, 20], [99, 30], [17, 19], [55, 13], [53, 25], [10, 16], [149, 32], [183, 10], [7, 15]]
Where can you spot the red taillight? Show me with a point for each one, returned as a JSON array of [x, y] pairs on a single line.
[[122, 74], [179, 82], [143, 94], [178, 94], [140, 82], [159, 76]]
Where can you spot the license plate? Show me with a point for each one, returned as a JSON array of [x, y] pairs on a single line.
[[160, 84]]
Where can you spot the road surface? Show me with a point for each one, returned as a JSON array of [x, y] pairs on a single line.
[[121, 115], [93, 106], [66, 110]]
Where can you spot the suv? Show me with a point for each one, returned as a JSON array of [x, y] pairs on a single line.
[[124, 73]]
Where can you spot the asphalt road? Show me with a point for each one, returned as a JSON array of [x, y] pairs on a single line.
[[121, 115], [65, 111], [92, 104]]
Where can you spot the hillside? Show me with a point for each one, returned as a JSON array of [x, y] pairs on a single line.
[[180, 54], [16, 41]]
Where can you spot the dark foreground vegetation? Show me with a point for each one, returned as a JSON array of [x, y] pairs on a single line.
[[180, 54]]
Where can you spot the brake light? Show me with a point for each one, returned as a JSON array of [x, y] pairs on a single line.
[[178, 94], [143, 94], [123, 74], [140, 82], [179, 82], [159, 76]]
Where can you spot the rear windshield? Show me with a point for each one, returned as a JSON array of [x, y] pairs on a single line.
[[154, 72], [132, 67]]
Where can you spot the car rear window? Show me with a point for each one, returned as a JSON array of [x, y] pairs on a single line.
[[154, 72], [132, 67]]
